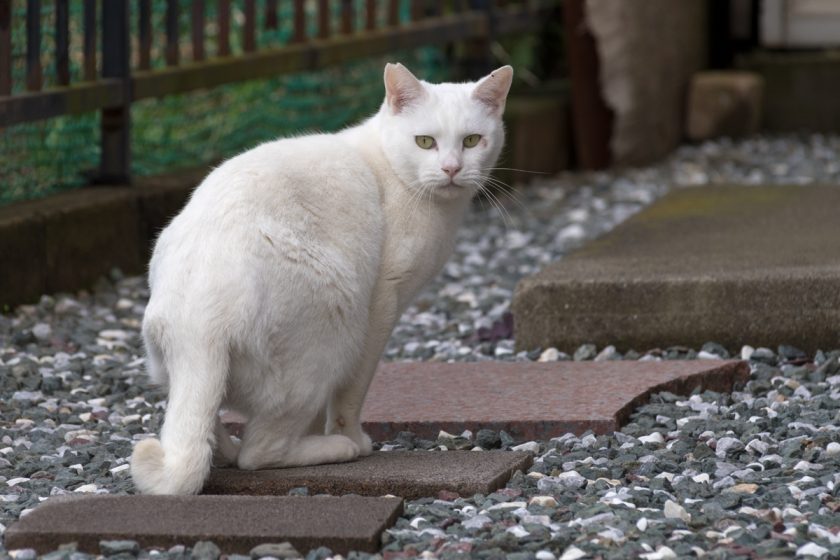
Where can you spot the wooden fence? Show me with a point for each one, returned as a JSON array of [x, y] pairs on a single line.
[[119, 83]]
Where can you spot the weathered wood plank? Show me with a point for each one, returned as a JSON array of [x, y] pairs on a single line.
[[271, 21], [5, 47], [299, 33], [197, 23], [249, 29], [89, 39], [115, 124], [172, 51], [348, 12], [33, 45], [223, 39], [62, 42], [394, 12], [144, 32], [71, 100], [370, 15], [323, 19]]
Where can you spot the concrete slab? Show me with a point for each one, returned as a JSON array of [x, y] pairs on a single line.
[[23, 278], [65, 242], [235, 523], [734, 265], [528, 400], [410, 474]]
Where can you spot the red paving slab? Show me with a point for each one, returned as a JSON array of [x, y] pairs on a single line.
[[535, 400], [235, 523], [409, 474]]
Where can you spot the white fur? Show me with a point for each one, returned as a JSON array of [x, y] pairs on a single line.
[[275, 290]]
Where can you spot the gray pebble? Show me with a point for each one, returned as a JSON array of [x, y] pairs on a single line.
[[275, 550], [111, 548], [585, 352], [487, 439], [205, 550]]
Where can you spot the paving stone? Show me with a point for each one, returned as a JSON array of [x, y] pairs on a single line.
[[410, 474], [730, 264], [530, 400], [234, 523]]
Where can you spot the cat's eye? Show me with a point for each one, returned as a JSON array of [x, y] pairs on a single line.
[[425, 142], [471, 141]]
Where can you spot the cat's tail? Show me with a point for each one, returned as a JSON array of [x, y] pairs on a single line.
[[180, 461]]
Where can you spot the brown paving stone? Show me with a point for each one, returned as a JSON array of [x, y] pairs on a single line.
[[410, 474], [529, 400], [235, 523]]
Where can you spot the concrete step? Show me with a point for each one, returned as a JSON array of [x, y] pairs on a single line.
[[234, 523], [730, 264], [409, 474]]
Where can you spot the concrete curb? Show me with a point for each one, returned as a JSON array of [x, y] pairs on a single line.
[[67, 241]]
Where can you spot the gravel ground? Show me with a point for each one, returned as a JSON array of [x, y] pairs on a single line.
[[748, 475]]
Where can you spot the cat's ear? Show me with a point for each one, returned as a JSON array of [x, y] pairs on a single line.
[[492, 89], [401, 87]]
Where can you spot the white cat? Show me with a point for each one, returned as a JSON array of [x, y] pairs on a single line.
[[275, 290]]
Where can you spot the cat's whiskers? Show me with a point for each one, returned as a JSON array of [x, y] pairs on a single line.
[[505, 189], [416, 188], [513, 169], [494, 201], [424, 192], [429, 190], [503, 212]]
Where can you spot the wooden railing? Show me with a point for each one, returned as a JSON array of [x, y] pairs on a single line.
[[119, 84]]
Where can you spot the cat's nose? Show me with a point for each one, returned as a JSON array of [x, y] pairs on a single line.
[[451, 169]]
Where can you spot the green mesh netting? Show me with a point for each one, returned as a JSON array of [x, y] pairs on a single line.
[[187, 130]]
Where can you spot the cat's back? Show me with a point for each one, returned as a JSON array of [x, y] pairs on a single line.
[[277, 174], [314, 193], [294, 183]]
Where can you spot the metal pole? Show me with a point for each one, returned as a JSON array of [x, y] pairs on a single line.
[[116, 121]]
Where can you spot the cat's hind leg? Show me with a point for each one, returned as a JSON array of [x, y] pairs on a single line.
[[277, 442], [226, 451], [180, 462]]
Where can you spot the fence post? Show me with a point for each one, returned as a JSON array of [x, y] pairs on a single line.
[[592, 119], [478, 60], [116, 121]]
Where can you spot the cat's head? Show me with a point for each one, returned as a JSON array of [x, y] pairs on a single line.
[[443, 139]]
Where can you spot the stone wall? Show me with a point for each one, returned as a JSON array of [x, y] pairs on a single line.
[[648, 50]]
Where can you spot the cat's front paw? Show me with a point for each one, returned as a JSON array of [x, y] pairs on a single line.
[[344, 448], [365, 445], [362, 440], [359, 437]]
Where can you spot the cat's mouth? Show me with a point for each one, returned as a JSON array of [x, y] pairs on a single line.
[[450, 185]]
